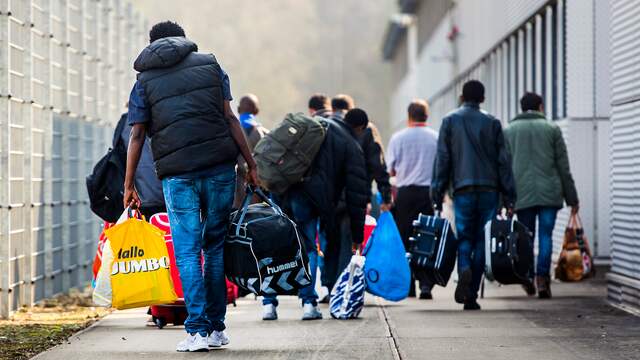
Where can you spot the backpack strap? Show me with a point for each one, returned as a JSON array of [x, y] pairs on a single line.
[[119, 128]]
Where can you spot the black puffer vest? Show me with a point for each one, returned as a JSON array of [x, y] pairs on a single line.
[[188, 129]]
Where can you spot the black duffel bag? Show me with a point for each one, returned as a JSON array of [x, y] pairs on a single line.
[[263, 252]]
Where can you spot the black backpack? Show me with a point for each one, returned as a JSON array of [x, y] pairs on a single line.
[[105, 184], [263, 252]]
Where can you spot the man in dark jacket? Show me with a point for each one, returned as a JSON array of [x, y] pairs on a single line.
[[543, 179], [337, 168], [181, 99], [342, 105], [366, 134], [473, 159]]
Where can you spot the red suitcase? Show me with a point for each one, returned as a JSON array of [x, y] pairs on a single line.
[[176, 313]]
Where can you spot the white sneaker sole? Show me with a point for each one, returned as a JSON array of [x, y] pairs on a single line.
[[195, 349]]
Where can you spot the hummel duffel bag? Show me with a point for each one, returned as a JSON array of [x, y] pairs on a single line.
[[263, 252]]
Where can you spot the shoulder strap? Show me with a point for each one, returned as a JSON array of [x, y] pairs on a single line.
[[119, 128]]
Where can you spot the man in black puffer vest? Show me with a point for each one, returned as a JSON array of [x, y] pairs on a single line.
[[181, 100]]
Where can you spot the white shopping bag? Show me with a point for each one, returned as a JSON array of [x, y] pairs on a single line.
[[102, 292]]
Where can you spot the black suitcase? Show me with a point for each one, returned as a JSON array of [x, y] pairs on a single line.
[[263, 252], [508, 251], [433, 248]]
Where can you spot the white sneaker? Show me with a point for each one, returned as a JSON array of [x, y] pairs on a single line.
[[218, 338], [269, 312], [311, 312], [193, 343]]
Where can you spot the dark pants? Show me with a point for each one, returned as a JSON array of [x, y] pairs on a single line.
[[338, 250], [149, 211], [546, 222], [302, 212], [473, 210], [412, 201]]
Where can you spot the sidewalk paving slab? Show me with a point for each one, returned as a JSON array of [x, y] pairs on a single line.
[[123, 335], [576, 324]]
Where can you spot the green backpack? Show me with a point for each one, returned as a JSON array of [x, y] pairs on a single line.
[[285, 154]]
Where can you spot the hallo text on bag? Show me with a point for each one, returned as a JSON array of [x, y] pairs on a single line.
[[132, 252]]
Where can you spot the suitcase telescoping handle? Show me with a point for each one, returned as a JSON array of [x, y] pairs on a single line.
[[250, 191]]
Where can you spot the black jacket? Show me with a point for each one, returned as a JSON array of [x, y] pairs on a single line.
[[339, 165], [376, 166], [188, 129], [472, 155]]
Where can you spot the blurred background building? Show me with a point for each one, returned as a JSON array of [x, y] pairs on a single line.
[[581, 55], [286, 50]]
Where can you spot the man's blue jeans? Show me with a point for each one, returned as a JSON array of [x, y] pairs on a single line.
[[307, 221], [546, 222], [199, 211], [473, 210]]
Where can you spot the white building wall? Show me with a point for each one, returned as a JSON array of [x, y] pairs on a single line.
[[484, 23]]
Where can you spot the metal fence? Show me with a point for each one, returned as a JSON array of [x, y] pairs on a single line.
[[65, 75]]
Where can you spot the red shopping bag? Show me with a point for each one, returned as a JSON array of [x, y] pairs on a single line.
[[97, 260], [369, 225], [161, 221]]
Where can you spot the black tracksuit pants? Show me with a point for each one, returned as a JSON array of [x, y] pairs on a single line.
[[410, 202]]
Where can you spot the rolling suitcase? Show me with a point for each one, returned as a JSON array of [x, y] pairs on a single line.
[[432, 250], [508, 251]]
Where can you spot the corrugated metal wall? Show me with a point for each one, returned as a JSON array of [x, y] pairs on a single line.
[[529, 59], [65, 75], [624, 278]]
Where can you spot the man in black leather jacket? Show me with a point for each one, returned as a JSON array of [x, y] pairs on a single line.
[[473, 160]]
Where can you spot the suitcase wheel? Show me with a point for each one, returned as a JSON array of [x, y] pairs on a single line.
[[160, 322]]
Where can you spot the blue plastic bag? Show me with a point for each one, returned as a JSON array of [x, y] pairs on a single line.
[[386, 268]]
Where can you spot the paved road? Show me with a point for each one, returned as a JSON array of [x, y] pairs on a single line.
[[576, 324]]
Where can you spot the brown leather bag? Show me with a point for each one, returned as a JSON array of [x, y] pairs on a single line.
[[575, 261]]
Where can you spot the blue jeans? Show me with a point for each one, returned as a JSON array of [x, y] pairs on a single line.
[[546, 222], [307, 221], [199, 211], [473, 210]]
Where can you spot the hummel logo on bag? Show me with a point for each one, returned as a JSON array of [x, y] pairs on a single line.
[[276, 269]]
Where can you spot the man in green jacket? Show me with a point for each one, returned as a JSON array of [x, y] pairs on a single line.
[[543, 179]]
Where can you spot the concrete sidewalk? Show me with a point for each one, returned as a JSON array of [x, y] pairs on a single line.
[[576, 324]]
